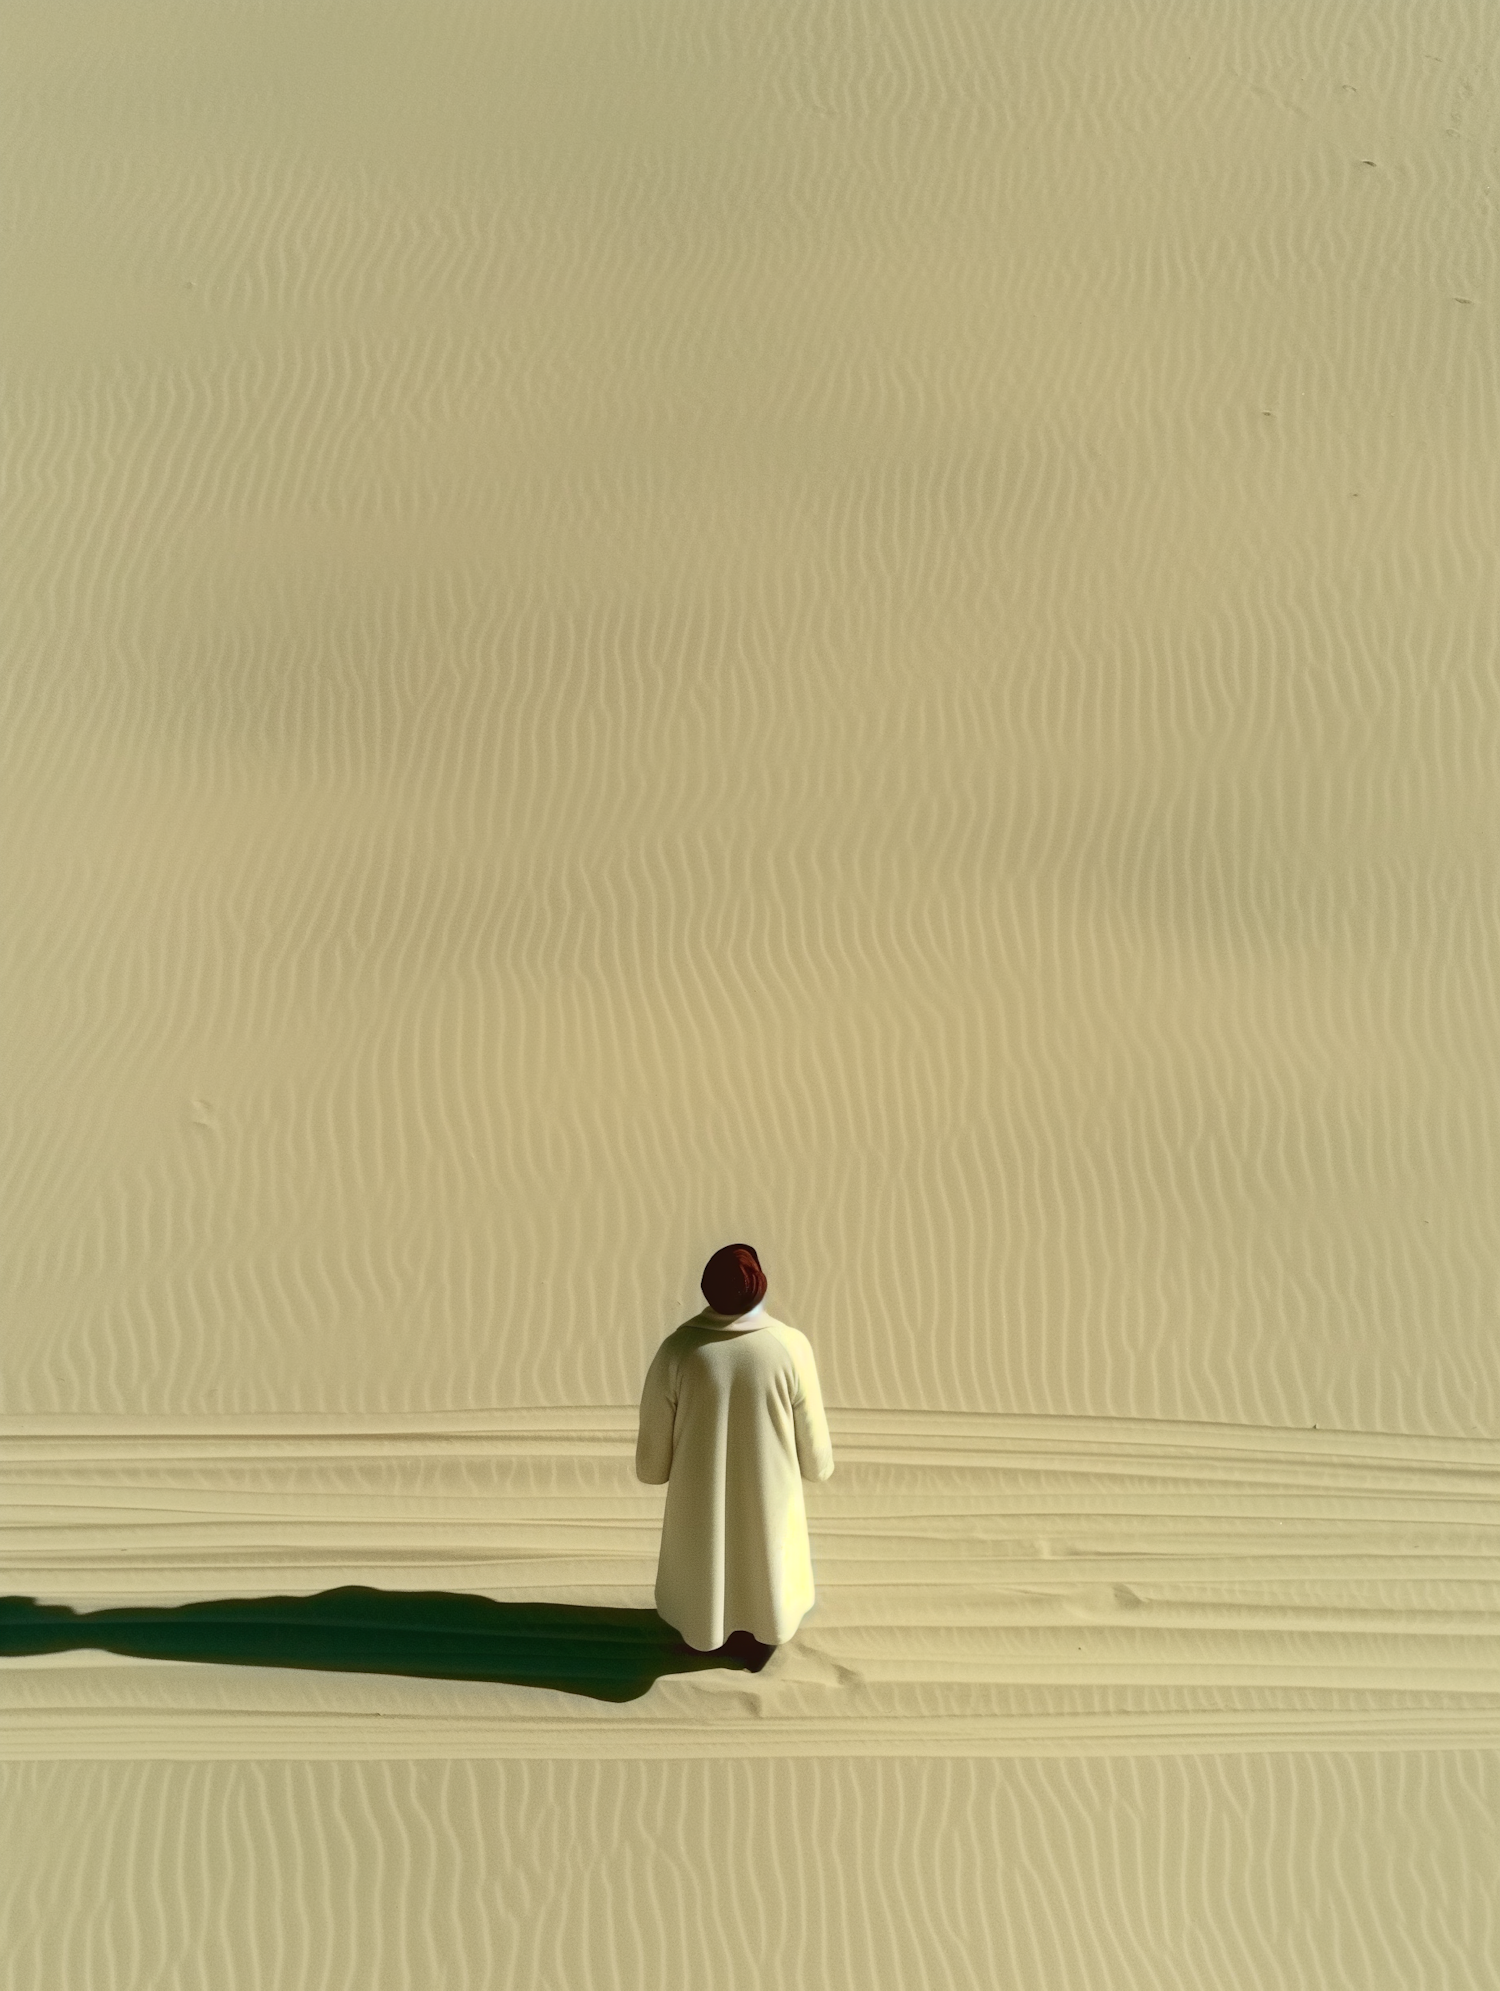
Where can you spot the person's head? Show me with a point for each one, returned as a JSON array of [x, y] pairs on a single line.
[[732, 1280]]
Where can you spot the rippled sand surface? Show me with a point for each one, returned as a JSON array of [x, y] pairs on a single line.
[[986, 1586], [1080, 1703], [555, 1874], [871, 628]]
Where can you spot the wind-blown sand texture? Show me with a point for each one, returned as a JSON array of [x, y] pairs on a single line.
[[1305, 1871], [868, 627], [1079, 1704], [987, 1586]]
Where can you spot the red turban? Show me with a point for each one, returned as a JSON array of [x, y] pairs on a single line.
[[732, 1280]]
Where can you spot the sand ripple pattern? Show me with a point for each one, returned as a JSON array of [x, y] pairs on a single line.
[[1328, 1873], [870, 626], [987, 1587]]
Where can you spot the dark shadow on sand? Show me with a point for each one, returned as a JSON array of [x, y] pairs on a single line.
[[607, 1654]]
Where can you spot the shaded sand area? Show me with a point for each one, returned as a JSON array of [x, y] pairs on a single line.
[[868, 627]]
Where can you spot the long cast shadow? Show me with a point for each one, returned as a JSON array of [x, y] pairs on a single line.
[[607, 1654]]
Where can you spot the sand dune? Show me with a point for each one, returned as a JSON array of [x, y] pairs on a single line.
[[868, 627], [870, 630]]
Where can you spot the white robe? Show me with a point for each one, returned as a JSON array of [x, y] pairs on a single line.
[[732, 1421]]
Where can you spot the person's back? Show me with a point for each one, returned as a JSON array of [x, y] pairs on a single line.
[[732, 1421]]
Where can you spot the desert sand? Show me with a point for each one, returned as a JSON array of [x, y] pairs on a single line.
[[871, 629]]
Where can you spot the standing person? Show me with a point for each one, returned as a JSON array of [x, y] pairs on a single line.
[[732, 1422]]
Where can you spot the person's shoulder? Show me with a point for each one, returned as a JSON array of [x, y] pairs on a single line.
[[790, 1337]]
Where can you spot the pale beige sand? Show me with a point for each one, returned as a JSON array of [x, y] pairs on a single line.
[[1360, 1872], [870, 628], [873, 630], [1080, 1704], [986, 1586]]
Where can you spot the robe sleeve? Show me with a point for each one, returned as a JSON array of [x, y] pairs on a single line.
[[814, 1447], [653, 1445]]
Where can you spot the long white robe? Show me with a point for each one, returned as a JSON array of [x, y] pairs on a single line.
[[732, 1421]]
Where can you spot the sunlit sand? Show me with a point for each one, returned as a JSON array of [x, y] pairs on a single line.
[[875, 630]]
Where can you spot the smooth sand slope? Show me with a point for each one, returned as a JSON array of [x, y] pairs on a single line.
[[866, 627]]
